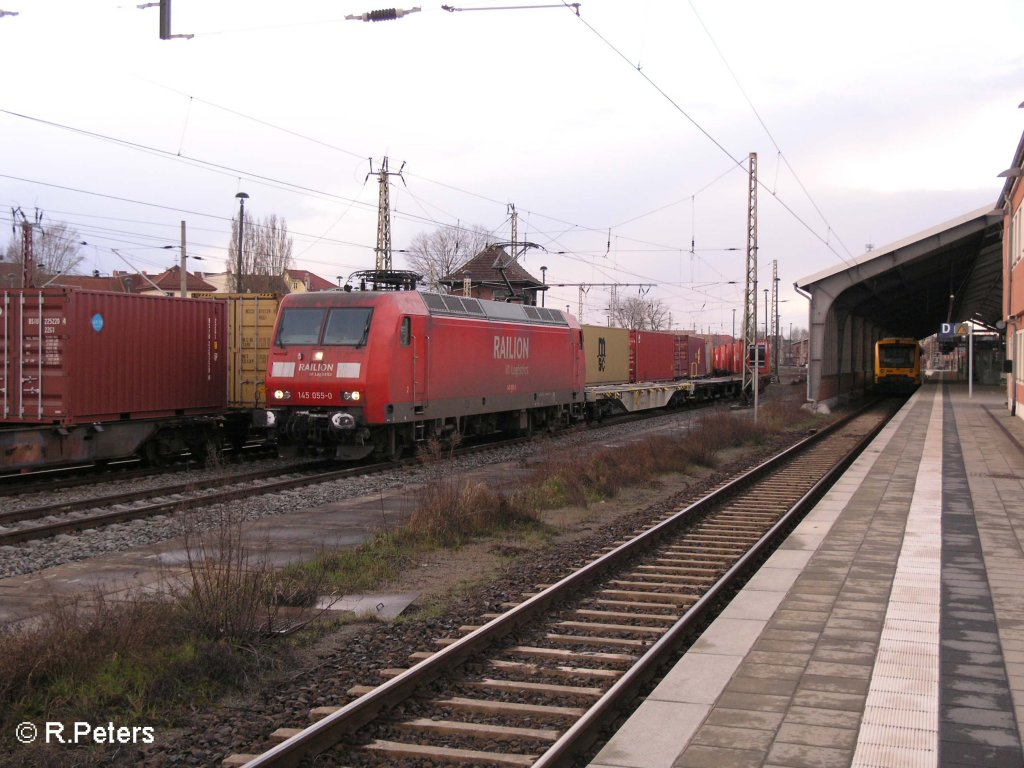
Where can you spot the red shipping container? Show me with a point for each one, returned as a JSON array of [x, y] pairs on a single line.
[[681, 357], [70, 356], [697, 360], [652, 356]]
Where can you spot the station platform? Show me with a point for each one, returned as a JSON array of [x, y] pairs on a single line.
[[887, 631]]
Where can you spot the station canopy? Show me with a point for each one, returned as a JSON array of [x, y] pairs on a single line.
[[950, 273]]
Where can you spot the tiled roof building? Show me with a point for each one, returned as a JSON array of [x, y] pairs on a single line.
[[484, 272]]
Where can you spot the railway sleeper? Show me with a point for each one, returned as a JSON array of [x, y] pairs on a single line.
[[560, 671], [547, 689], [649, 577], [654, 586], [510, 708], [557, 671], [479, 730], [688, 553], [283, 734], [626, 616], [641, 606], [637, 596], [621, 660], [449, 754], [626, 629], [680, 569], [600, 641]]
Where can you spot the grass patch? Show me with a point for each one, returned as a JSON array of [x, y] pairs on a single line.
[[149, 658], [373, 564]]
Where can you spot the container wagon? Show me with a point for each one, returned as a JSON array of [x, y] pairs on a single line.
[[90, 376]]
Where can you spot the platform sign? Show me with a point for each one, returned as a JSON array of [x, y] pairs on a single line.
[[953, 331]]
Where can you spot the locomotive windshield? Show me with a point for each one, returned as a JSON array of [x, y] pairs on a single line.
[[896, 355], [300, 326], [345, 326], [348, 326]]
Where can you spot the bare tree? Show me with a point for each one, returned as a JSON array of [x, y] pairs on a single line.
[[55, 248], [266, 254], [640, 314], [436, 254]]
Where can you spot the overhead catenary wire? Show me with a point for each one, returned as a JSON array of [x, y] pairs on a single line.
[[738, 163], [778, 149]]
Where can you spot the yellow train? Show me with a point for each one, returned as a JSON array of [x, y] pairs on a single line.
[[897, 366]]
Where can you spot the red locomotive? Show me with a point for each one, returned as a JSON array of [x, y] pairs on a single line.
[[374, 372]]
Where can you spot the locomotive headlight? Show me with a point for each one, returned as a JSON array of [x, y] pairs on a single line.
[[350, 395], [318, 356], [282, 394], [355, 395]]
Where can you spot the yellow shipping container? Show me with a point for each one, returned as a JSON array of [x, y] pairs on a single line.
[[251, 318], [607, 351]]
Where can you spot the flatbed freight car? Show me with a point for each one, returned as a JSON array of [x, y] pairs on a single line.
[[90, 376], [632, 371], [607, 400]]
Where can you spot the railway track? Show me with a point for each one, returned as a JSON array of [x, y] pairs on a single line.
[[19, 526], [534, 685], [64, 478]]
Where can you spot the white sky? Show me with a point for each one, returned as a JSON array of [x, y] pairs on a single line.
[[895, 116]]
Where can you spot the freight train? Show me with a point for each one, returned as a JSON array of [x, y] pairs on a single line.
[[360, 373], [897, 366], [91, 377]]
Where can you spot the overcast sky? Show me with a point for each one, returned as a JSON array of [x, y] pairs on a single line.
[[621, 136]]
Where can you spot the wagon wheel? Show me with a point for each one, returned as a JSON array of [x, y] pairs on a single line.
[[204, 450], [395, 453], [391, 448], [152, 456]]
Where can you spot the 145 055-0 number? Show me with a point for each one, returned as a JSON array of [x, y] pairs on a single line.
[[316, 396]]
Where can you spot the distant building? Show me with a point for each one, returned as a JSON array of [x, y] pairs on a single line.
[[122, 282], [484, 275], [304, 281], [168, 283], [1011, 202], [796, 352]]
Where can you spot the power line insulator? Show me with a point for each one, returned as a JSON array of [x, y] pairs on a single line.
[[385, 14]]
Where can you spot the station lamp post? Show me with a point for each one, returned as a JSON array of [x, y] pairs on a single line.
[[543, 279], [242, 197]]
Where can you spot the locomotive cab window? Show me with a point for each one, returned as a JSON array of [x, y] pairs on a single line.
[[405, 337], [300, 326], [348, 326]]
